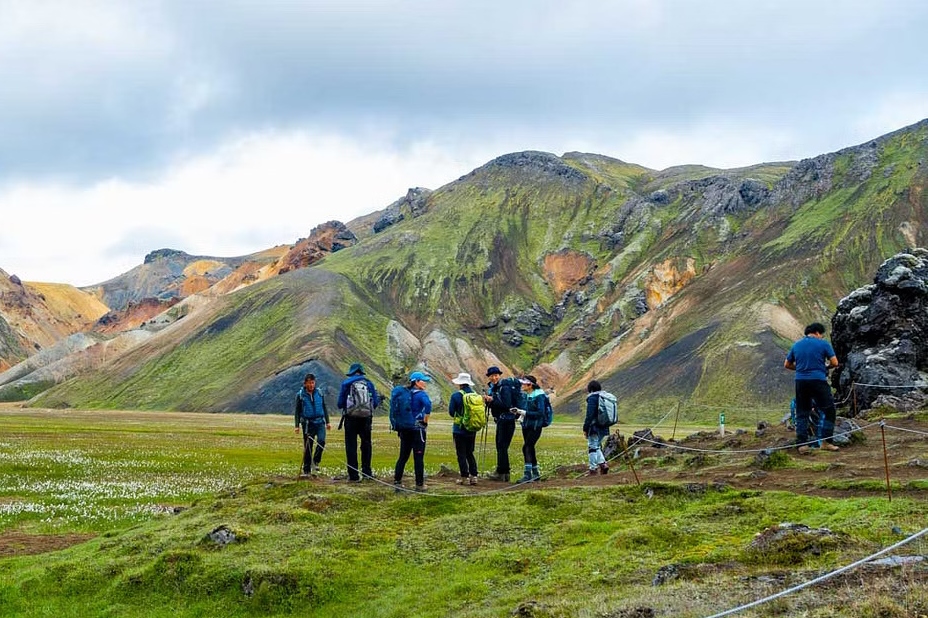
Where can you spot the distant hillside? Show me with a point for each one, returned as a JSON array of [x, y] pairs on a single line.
[[684, 284]]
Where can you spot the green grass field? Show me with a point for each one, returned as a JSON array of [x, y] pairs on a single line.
[[320, 548]]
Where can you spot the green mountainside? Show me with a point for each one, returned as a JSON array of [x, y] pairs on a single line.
[[684, 284]]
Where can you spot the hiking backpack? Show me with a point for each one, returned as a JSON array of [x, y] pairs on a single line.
[[474, 416], [359, 403], [608, 414], [548, 417], [510, 392], [401, 409]]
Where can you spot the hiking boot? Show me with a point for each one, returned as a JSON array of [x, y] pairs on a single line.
[[397, 486], [536, 473], [593, 471], [304, 475], [473, 480], [354, 480], [461, 481], [828, 446], [803, 450], [604, 468], [421, 488], [498, 476], [528, 478]]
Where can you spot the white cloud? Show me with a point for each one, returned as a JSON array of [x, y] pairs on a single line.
[[254, 192]]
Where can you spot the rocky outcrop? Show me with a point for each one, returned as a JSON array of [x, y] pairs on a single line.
[[880, 335], [415, 202], [324, 239]]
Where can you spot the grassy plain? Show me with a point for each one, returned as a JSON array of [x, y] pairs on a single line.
[[328, 548]]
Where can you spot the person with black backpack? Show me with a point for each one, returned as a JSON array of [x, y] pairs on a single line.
[[536, 416], [600, 415], [410, 408], [469, 413], [357, 399], [502, 394], [311, 415]]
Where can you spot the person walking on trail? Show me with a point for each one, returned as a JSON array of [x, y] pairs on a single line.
[[411, 428], [357, 400], [533, 421], [311, 415], [811, 357], [497, 400], [462, 406], [594, 431]]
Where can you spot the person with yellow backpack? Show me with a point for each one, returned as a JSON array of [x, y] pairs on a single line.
[[467, 409]]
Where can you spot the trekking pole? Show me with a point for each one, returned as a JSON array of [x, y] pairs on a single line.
[[483, 443], [305, 444]]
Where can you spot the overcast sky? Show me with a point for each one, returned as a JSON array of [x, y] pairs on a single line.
[[225, 127]]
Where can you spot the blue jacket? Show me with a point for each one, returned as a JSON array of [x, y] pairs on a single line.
[[310, 407], [346, 385], [456, 408], [535, 409], [592, 411], [421, 405]]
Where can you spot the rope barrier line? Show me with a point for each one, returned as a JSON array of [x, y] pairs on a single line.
[[757, 450], [889, 385], [821, 578], [921, 433]]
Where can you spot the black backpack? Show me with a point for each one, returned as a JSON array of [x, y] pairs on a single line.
[[510, 392]]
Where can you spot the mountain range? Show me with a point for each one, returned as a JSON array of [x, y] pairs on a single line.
[[680, 286]]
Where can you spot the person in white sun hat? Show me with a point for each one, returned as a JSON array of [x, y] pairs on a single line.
[[467, 409]]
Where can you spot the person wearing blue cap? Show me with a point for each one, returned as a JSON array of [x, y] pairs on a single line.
[[357, 400], [412, 435]]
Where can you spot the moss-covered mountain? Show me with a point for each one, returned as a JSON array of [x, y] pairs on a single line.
[[683, 283]]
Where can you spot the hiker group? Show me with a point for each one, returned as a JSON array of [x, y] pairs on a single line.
[[507, 401]]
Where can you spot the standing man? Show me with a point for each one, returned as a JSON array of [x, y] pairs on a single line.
[[311, 415], [411, 425], [499, 404], [462, 405], [357, 400], [811, 357]]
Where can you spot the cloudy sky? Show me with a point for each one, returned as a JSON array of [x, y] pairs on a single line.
[[225, 127]]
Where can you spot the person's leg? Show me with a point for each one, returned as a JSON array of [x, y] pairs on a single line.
[[367, 449], [527, 454], [319, 431], [405, 436], [418, 456], [307, 451], [595, 451], [351, 447], [461, 453], [826, 407], [470, 445], [535, 436], [505, 431]]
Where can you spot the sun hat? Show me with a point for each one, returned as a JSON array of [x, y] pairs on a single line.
[[529, 380], [355, 368], [415, 376], [463, 378], [494, 370]]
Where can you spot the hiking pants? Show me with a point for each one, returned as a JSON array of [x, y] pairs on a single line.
[[818, 391], [530, 438], [504, 432], [312, 433], [464, 444], [358, 428], [411, 441], [594, 443]]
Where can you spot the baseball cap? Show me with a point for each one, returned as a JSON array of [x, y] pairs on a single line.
[[418, 375]]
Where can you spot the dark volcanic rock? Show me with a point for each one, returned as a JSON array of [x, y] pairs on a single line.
[[880, 335], [415, 202]]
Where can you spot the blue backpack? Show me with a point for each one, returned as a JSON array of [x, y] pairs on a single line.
[[549, 413], [401, 409]]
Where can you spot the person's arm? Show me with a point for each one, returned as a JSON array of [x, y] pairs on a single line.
[[592, 407], [790, 362], [832, 362], [325, 411], [455, 404], [342, 397], [297, 413], [375, 396]]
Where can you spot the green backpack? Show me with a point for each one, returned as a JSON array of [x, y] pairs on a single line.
[[474, 417]]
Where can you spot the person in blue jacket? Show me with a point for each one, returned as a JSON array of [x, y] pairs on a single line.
[[357, 427], [532, 417], [505, 422], [311, 415], [811, 357], [465, 441], [412, 439]]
